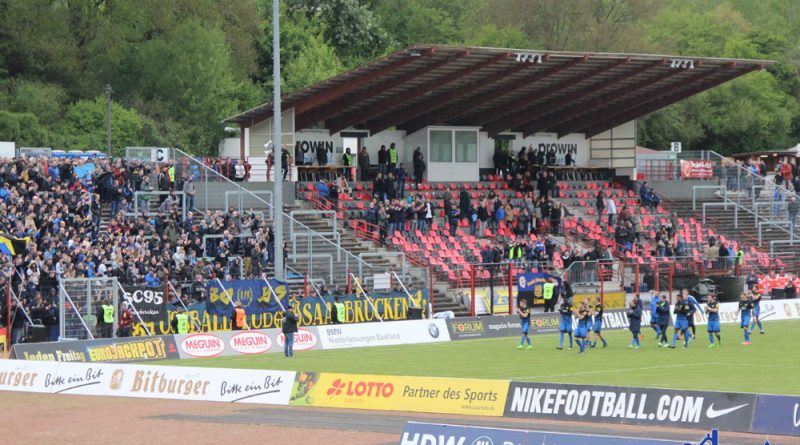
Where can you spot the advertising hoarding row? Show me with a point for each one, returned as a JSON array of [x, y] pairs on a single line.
[[763, 414]]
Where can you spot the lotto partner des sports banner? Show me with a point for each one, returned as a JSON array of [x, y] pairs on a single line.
[[392, 393]]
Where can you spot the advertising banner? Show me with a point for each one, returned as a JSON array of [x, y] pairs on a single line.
[[639, 406], [770, 310], [500, 326], [533, 282], [697, 169], [393, 393], [25, 376], [777, 415], [147, 381], [101, 350], [313, 311], [226, 343], [510, 326], [383, 334], [429, 433], [254, 295], [149, 302]]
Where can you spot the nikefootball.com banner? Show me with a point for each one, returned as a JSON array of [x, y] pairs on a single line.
[[640, 406]]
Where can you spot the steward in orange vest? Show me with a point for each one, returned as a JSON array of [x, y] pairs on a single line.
[[239, 322]]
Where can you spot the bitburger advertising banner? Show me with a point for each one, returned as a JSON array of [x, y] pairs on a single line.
[[159, 382], [638, 406], [392, 393], [100, 350]]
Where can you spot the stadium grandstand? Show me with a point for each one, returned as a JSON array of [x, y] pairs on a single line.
[[449, 170]]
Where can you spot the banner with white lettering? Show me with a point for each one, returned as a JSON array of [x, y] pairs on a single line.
[[416, 433], [639, 406], [149, 302]]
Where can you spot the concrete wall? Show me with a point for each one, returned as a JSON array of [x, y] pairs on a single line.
[[215, 191], [682, 190]]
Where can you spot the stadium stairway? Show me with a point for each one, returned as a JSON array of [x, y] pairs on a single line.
[[725, 222], [417, 277]]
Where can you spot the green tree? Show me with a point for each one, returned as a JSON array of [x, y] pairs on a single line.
[[315, 63], [84, 127], [187, 78], [306, 58], [350, 27]]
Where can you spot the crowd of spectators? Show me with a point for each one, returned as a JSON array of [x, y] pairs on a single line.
[[79, 219]]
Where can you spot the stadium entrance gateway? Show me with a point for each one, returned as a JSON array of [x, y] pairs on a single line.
[[457, 104]]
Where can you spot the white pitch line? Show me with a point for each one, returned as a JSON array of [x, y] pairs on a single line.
[[620, 370]]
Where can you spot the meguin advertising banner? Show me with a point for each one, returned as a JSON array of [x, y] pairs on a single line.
[[312, 311], [393, 393], [638, 406], [250, 342], [99, 350]]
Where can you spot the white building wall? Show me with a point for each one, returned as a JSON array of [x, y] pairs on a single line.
[[576, 143]]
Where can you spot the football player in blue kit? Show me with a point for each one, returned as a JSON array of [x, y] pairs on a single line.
[[597, 325], [682, 311], [525, 319], [712, 310], [745, 310], [654, 301], [634, 313], [566, 322], [584, 315], [756, 297]]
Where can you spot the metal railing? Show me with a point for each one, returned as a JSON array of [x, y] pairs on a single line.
[[240, 201], [205, 174]]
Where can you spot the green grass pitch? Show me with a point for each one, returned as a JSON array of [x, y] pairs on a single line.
[[770, 364]]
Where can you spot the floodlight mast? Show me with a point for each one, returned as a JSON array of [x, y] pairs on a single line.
[[277, 134]]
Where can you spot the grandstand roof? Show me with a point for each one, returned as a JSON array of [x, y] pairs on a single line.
[[498, 89]]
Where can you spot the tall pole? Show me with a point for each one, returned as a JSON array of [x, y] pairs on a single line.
[[108, 119], [277, 137]]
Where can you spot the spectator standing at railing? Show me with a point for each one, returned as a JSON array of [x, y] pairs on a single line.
[[394, 156], [792, 207], [363, 164], [383, 160], [600, 206], [419, 165], [299, 156], [189, 191]]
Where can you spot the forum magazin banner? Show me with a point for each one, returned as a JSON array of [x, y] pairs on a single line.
[[393, 393]]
